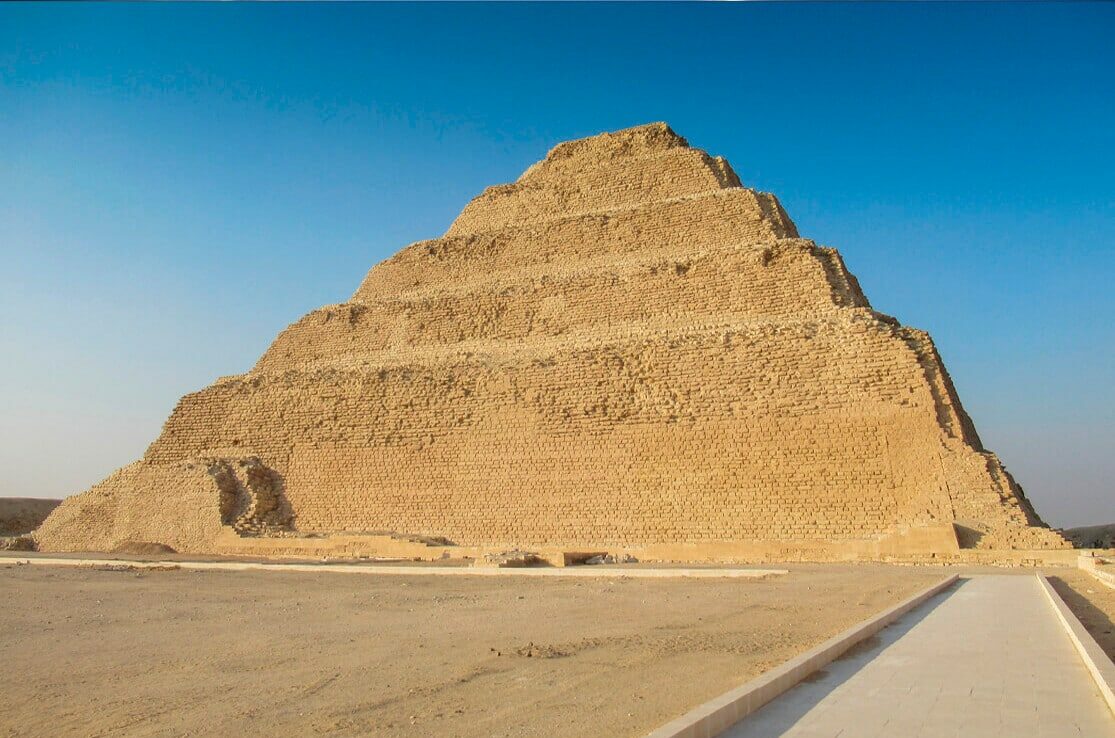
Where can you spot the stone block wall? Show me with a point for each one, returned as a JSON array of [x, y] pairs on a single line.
[[623, 348]]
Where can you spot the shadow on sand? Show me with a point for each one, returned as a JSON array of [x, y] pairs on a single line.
[[1094, 620]]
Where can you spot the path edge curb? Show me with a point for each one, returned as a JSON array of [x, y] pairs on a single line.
[[720, 713], [1097, 662]]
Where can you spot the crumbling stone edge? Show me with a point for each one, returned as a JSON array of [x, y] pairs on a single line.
[[1097, 662], [720, 713]]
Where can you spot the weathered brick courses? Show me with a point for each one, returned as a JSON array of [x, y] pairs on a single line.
[[623, 348]]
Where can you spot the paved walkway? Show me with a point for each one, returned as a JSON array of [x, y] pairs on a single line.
[[985, 658]]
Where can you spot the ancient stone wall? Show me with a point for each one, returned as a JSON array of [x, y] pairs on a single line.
[[623, 348], [177, 504]]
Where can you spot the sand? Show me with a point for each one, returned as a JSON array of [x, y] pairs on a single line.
[[97, 653], [1091, 601]]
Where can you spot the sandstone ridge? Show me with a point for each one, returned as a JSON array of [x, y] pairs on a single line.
[[623, 350]]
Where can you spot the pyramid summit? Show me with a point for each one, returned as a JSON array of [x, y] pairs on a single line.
[[624, 350]]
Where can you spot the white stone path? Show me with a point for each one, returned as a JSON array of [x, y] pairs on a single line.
[[986, 657]]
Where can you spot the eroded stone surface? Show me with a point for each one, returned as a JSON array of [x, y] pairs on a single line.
[[623, 348]]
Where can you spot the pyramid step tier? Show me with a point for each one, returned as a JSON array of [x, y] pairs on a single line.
[[639, 373], [610, 339], [735, 215], [609, 265], [549, 193], [528, 304]]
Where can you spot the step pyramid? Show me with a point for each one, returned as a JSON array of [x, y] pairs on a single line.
[[623, 348]]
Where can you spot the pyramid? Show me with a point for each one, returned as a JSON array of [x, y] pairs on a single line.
[[624, 349]]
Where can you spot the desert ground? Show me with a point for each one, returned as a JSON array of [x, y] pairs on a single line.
[[98, 652], [1092, 602], [160, 653]]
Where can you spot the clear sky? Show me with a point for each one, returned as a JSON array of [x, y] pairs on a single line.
[[180, 182]]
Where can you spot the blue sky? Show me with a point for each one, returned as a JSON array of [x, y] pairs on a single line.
[[180, 182]]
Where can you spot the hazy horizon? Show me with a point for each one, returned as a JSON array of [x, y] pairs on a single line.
[[183, 181]]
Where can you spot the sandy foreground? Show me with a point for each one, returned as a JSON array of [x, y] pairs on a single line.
[[169, 653], [1091, 601]]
